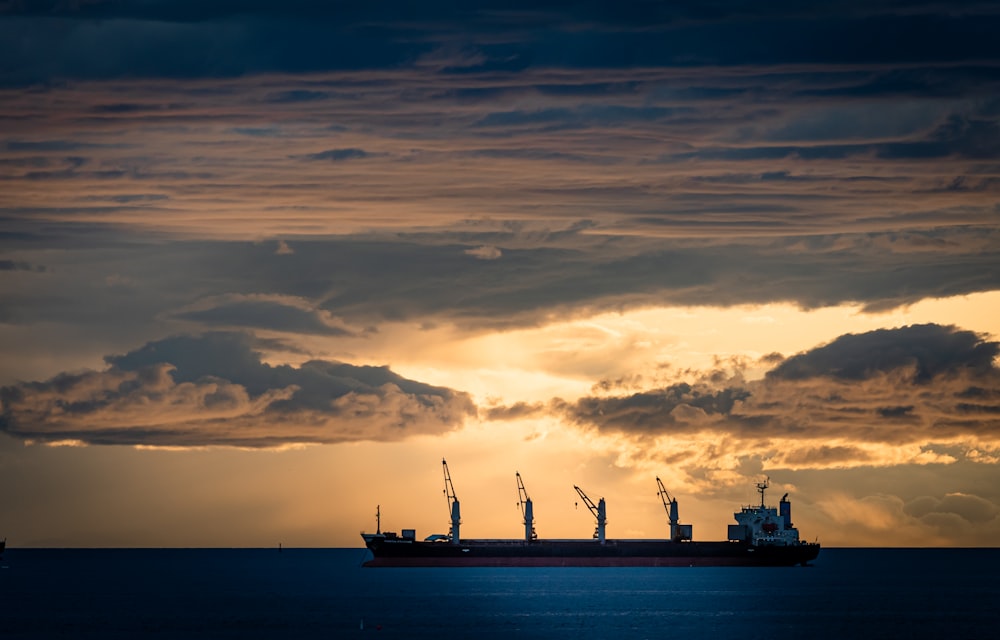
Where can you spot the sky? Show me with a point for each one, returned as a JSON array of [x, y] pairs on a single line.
[[264, 265]]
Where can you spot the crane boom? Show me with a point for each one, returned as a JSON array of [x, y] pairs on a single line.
[[662, 492], [453, 506], [586, 500], [678, 532], [527, 510], [669, 505], [600, 512], [522, 493]]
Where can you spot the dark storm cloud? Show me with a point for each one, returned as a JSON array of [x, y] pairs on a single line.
[[652, 411], [261, 132], [120, 107], [275, 315], [128, 198], [824, 455], [478, 279], [580, 117], [960, 137], [18, 265], [72, 174], [214, 389], [54, 145], [895, 412], [336, 155], [620, 14], [582, 178], [945, 82], [517, 411], [894, 386], [968, 507], [297, 95], [929, 350], [803, 164], [46, 40], [527, 281]]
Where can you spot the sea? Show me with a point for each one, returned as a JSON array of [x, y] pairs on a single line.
[[326, 593]]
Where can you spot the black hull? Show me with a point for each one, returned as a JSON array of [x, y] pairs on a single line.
[[583, 553]]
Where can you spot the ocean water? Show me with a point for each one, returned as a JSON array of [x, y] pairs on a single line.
[[325, 593]]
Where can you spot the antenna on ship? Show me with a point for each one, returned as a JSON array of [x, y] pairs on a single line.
[[600, 512], [524, 502], [453, 507], [761, 487]]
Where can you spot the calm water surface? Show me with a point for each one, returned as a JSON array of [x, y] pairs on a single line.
[[324, 593]]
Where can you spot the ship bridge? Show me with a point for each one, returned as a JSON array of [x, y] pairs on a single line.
[[763, 525]]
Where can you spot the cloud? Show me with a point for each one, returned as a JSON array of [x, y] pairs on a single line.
[[484, 252], [213, 389], [970, 508], [680, 406], [625, 273], [264, 312], [54, 145], [219, 41], [928, 350], [883, 397], [257, 132], [542, 272], [578, 117], [336, 155], [823, 455], [297, 95], [20, 265], [633, 151], [517, 411]]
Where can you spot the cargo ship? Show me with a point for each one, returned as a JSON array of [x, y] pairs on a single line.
[[762, 536]]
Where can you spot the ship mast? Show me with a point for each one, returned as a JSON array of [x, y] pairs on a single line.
[[524, 502], [453, 506], [600, 512], [761, 487]]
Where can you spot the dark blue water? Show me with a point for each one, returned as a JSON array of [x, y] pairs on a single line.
[[312, 593]]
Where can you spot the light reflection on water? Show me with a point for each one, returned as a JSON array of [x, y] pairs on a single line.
[[305, 593]]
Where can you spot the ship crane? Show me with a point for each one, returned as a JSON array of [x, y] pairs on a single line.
[[678, 532], [453, 506], [600, 512], [527, 511]]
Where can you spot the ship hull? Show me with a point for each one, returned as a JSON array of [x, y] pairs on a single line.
[[584, 553]]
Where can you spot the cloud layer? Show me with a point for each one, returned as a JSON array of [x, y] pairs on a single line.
[[229, 39], [467, 193], [213, 389], [915, 394], [927, 387], [540, 160]]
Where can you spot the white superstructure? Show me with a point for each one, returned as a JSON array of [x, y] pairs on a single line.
[[763, 525]]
